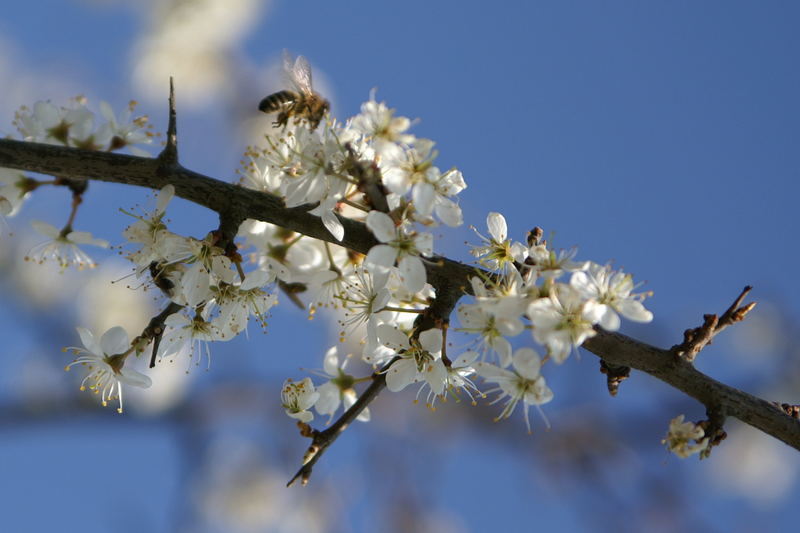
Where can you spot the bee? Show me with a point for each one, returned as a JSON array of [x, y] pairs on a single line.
[[301, 102]]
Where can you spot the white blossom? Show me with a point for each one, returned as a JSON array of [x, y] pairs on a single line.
[[397, 246], [560, 321], [190, 334], [498, 252], [297, 397], [551, 265], [124, 130], [63, 248], [523, 383], [609, 293], [415, 360], [405, 167], [376, 120], [679, 435], [338, 390], [104, 360]]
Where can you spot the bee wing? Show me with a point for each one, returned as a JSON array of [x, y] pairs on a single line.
[[298, 72]]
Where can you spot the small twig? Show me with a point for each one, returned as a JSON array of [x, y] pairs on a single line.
[[169, 155], [735, 313], [155, 329], [696, 339], [615, 375], [435, 316], [320, 440]]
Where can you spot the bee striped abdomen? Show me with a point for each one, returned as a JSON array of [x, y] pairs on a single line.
[[277, 101]]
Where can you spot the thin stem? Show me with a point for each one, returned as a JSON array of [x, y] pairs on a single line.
[[355, 205], [400, 309]]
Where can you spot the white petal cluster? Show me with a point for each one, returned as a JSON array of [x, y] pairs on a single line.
[[63, 247], [372, 170], [218, 298], [679, 435], [337, 169], [298, 397], [523, 383], [527, 286], [76, 125]]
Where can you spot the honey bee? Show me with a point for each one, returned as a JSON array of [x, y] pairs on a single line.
[[301, 102]]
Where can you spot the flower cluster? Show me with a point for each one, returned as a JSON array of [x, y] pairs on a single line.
[[339, 168], [372, 170], [217, 296], [76, 125]]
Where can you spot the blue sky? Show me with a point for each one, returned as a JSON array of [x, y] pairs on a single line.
[[661, 136]]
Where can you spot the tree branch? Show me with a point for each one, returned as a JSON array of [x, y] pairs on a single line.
[[617, 349], [237, 203]]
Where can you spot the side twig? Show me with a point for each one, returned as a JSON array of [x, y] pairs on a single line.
[[698, 338]]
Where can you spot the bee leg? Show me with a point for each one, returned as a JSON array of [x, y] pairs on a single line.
[[283, 118]]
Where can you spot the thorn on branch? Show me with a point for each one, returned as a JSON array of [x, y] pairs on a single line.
[[695, 339], [169, 155], [615, 376]]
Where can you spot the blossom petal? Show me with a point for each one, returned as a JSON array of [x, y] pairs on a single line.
[[634, 310], [424, 244], [392, 337], [331, 361], [382, 226], [164, 197], [431, 340], [503, 349], [114, 341], [497, 226], [381, 255], [329, 399], [466, 358], [492, 372], [48, 230], [91, 344], [527, 363], [423, 196], [412, 273], [333, 224], [132, 377], [449, 212], [401, 374]]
